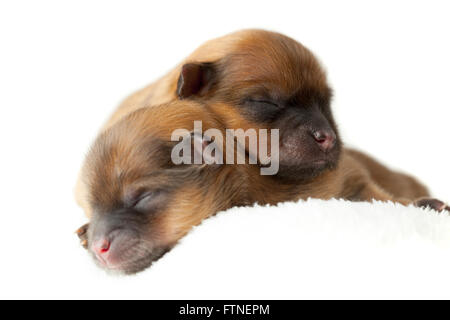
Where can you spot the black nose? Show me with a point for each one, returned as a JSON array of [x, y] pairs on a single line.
[[326, 139]]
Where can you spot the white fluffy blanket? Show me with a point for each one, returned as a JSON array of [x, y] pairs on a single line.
[[312, 249]]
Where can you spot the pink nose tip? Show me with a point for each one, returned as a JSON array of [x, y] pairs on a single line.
[[325, 139], [101, 246]]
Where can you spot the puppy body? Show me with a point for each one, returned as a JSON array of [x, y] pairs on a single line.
[[351, 180]]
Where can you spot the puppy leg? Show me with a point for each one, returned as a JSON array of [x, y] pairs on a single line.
[[368, 180], [82, 234], [371, 191], [432, 203], [396, 183], [358, 184]]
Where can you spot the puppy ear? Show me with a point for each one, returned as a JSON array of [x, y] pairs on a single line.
[[195, 79]]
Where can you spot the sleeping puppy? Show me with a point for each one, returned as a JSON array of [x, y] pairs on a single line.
[[267, 80], [138, 201]]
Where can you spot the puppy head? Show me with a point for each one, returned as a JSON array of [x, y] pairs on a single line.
[[267, 80], [141, 202]]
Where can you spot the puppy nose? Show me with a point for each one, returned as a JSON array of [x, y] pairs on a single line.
[[326, 139], [101, 247]]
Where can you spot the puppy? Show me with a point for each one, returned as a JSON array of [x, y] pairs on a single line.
[[267, 80], [138, 201], [141, 203]]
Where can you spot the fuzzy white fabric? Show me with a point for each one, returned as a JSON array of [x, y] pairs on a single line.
[[312, 249]]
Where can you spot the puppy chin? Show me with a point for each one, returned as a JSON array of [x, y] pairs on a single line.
[[129, 258], [296, 174], [296, 169], [133, 266]]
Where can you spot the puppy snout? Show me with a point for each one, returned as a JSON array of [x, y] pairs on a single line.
[[325, 138], [101, 247], [111, 249]]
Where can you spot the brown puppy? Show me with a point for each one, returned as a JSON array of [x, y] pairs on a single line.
[[267, 80], [138, 201]]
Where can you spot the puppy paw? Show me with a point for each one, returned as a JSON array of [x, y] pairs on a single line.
[[432, 203], [82, 234]]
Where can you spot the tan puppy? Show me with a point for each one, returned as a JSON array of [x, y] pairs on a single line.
[[266, 80], [140, 204], [138, 201]]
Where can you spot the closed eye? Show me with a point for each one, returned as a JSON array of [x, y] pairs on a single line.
[[260, 109], [262, 102], [144, 201], [147, 201]]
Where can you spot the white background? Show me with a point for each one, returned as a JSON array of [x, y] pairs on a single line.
[[64, 66]]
